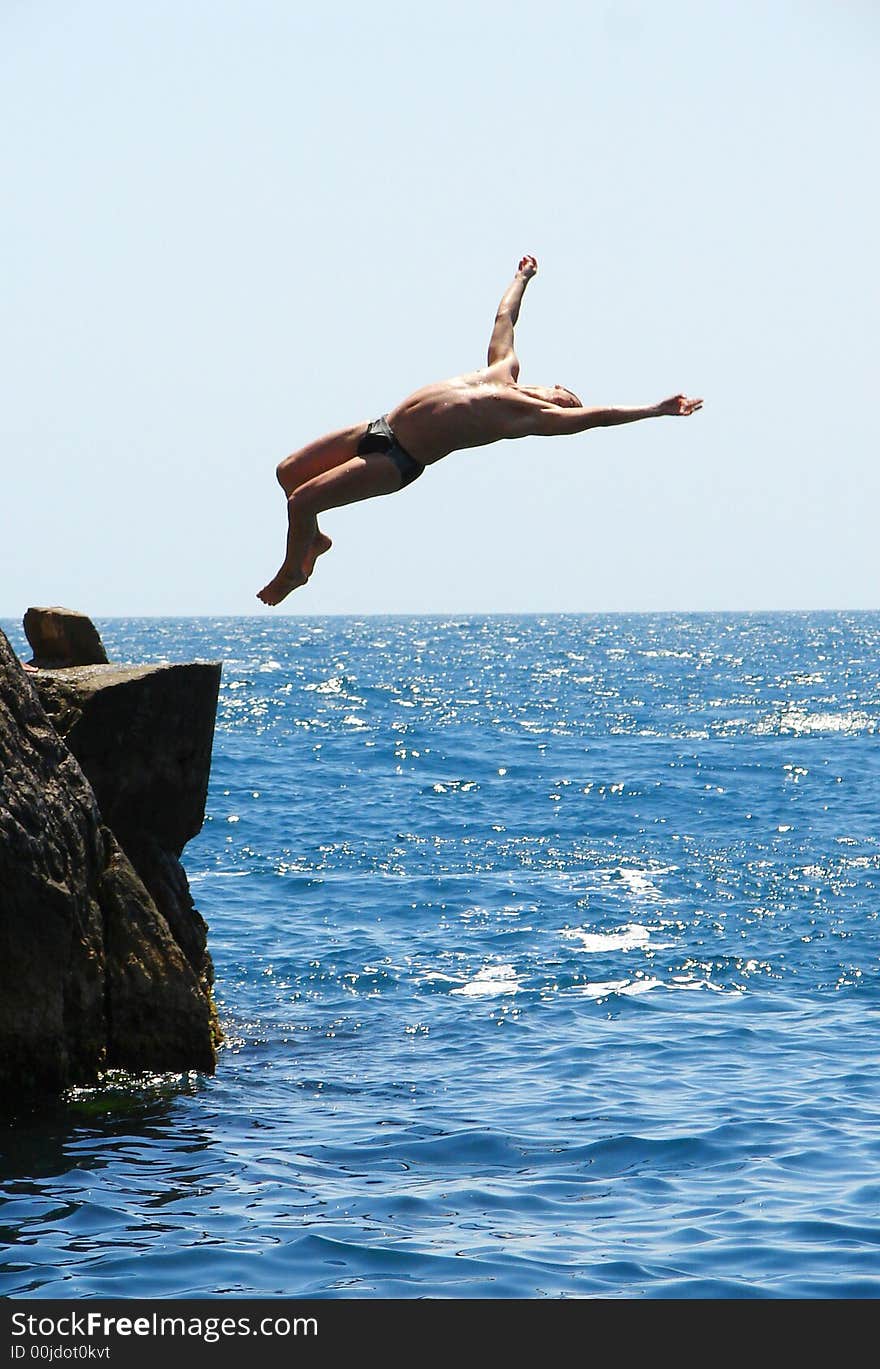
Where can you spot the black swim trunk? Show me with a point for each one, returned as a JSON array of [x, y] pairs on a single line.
[[379, 438]]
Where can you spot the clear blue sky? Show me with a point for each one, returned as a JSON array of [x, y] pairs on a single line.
[[230, 226]]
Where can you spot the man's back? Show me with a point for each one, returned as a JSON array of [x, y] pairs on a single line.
[[470, 410]]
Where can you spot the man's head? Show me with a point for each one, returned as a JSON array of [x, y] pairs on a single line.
[[566, 399], [554, 394]]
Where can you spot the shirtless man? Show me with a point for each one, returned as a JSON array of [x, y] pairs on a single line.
[[468, 411]]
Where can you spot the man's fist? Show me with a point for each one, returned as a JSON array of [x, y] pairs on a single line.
[[680, 406]]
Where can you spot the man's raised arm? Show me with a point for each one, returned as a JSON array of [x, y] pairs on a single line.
[[556, 421], [501, 343]]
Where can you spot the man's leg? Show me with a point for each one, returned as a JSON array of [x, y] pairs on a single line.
[[363, 477], [316, 458], [320, 543]]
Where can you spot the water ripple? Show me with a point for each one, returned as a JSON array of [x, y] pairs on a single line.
[[547, 956]]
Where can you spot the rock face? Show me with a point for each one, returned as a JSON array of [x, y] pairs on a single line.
[[103, 958], [61, 636], [52, 972], [143, 736]]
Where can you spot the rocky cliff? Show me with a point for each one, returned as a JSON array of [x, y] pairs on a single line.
[[103, 958]]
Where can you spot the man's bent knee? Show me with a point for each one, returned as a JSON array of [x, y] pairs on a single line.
[[302, 503], [285, 472]]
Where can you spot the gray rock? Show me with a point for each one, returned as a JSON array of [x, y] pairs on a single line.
[[164, 876], [143, 735], [53, 1028], [91, 973], [62, 637], [153, 998]]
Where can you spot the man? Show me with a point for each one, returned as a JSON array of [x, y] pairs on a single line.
[[468, 411]]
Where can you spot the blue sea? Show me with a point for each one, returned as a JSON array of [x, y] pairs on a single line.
[[547, 957]]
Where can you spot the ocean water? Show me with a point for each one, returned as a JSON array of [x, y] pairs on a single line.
[[547, 954]]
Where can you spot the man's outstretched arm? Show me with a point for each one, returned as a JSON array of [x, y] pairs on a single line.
[[501, 343], [554, 421]]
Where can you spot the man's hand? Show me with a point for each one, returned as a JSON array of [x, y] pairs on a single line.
[[679, 406], [528, 267]]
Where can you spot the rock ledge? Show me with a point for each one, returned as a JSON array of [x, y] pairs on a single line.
[[103, 957]]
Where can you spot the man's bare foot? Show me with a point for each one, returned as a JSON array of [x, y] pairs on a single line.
[[281, 586], [320, 544]]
